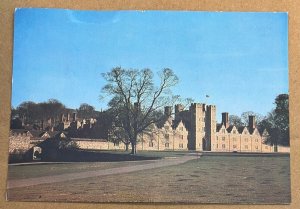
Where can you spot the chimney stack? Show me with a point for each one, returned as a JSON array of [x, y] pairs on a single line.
[[168, 111], [74, 116], [225, 119], [252, 123], [178, 108]]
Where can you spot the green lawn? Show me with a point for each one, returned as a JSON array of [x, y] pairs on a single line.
[[210, 179], [38, 170]]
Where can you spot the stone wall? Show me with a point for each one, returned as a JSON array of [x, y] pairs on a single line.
[[19, 144], [98, 144]]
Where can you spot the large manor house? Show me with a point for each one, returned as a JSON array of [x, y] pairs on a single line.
[[193, 129]]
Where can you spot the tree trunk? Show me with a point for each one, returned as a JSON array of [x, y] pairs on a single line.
[[126, 146], [133, 148]]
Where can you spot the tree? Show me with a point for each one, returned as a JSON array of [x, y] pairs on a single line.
[[52, 109], [28, 112], [86, 111], [277, 122], [245, 117], [281, 118], [136, 98], [235, 120], [118, 134]]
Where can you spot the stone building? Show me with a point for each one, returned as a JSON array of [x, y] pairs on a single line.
[[197, 129], [193, 129]]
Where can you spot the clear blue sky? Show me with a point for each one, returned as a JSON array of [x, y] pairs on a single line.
[[239, 59]]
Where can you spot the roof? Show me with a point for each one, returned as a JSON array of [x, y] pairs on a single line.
[[176, 123], [19, 131], [89, 139], [218, 126], [229, 129]]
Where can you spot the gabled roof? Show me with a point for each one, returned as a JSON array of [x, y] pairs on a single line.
[[38, 133], [218, 126], [242, 128], [229, 129], [176, 124]]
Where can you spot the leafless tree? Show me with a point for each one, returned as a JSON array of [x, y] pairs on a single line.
[[136, 98]]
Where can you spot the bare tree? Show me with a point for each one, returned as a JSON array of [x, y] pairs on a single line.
[[245, 117], [235, 120], [137, 99], [86, 111]]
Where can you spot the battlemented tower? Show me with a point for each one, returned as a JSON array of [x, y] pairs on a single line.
[[210, 126], [197, 126]]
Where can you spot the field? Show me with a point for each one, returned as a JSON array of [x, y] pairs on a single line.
[[209, 179]]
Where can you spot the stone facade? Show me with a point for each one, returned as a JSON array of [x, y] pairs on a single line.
[[200, 132], [165, 138]]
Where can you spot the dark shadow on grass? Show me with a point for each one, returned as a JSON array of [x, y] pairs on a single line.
[[90, 156]]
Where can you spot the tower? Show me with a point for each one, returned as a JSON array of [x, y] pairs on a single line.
[[210, 126], [197, 126]]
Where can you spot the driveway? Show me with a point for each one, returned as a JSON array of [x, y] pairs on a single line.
[[81, 175]]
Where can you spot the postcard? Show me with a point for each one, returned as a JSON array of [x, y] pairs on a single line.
[[149, 106]]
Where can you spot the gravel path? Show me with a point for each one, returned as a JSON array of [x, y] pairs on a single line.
[[81, 175]]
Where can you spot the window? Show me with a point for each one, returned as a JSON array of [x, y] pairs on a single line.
[[181, 136], [166, 144], [223, 138], [181, 145], [217, 145], [223, 131], [116, 144], [234, 131], [150, 144], [167, 136], [256, 140], [246, 146], [223, 146], [217, 138], [181, 128]]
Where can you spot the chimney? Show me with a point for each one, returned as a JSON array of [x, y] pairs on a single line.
[[178, 108], [74, 116], [168, 111], [62, 117], [252, 123], [225, 119], [68, 117], [136, 106]]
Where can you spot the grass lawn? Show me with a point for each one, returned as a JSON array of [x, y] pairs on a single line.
[[211, 179], [38, 170]]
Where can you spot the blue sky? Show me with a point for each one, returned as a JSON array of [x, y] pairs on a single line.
[[239, 59]]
